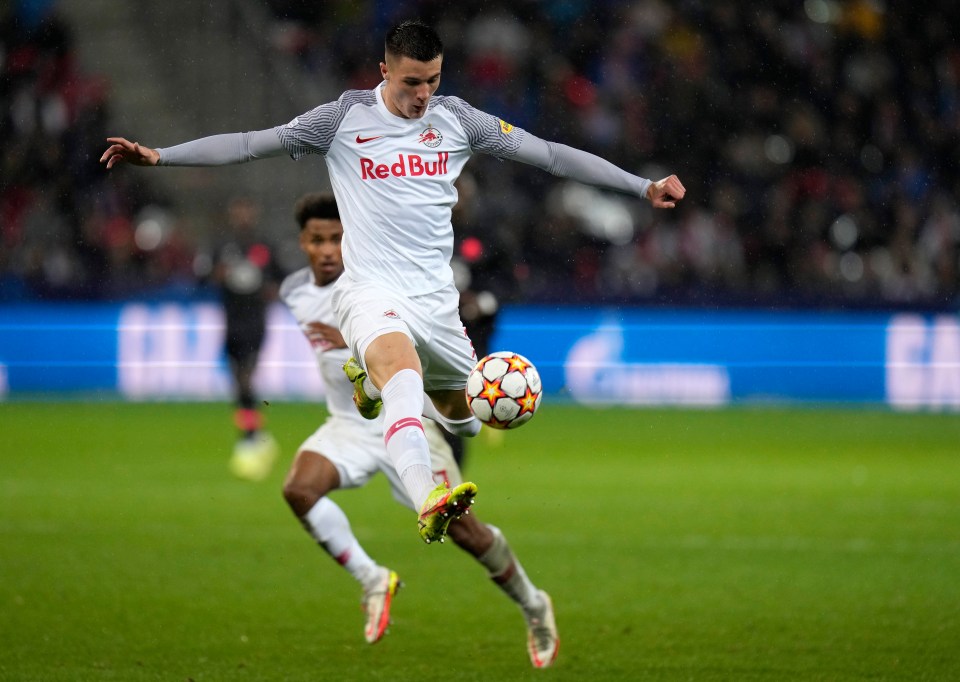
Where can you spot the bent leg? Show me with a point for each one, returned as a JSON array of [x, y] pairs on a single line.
[[449, 409], [393, 364], [310, 478]]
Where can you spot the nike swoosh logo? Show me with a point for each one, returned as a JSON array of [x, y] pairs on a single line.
[[361, 140]]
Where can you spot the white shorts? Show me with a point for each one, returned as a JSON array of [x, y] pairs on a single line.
[[358, 453], [432, 321]]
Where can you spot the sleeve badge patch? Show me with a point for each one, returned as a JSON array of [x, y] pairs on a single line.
[[505, 127]]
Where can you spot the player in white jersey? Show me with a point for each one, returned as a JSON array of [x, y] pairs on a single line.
[[393, 154], [347, 450]]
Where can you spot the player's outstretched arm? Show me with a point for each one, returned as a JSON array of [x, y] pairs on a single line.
[[122, 149], [215, 150], [568, 162], [666, 193]]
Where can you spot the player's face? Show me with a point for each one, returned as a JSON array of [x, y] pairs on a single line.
[[410, 84], [320, 240]]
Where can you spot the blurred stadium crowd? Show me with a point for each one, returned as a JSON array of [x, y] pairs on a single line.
[[66, 227], [818, 141]]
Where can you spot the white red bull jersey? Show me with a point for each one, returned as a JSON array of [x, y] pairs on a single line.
[[311, 303], [393, 179]]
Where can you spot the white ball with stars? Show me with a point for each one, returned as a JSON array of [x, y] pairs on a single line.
[[504, 390]]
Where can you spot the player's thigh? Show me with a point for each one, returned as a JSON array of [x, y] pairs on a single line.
[[366, 312], [369, 314], [312, 470], [448, 357], [352, 447], [310, 478], [388, 354], [451, 403]]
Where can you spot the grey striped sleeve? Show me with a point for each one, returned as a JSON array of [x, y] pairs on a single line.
[[313, 132], [486, 133], [495, 136]]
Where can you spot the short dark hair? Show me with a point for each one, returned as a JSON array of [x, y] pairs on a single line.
[[413, 39], [320, 205]]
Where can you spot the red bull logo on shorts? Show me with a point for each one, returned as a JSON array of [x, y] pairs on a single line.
[[412, 165]]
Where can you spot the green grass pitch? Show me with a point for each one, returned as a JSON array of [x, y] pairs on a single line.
[[740, 544]]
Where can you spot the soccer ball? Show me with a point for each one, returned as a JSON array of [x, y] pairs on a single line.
[[504, 390]]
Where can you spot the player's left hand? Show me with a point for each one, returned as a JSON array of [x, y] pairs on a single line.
[[321, 334], [666, 193]]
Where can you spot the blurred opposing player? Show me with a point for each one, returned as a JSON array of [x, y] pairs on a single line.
[[347, 450], [246, 273], [393, 154]]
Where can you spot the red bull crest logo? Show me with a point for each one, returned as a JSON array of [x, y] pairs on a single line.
[[431, 137]]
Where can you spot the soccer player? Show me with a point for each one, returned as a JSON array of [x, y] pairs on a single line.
[[393, 154], [347, 450], [246, 272]]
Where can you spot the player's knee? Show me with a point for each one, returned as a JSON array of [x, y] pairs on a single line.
[[300, 496], [472, 428], [468, 428]]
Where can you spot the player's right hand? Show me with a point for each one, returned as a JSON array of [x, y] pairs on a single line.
[[325, 336], [122, 149]]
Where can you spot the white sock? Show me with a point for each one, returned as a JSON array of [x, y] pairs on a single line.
[[370, 389], [459, 427], [403, 434], [505, 570], [329, 526]]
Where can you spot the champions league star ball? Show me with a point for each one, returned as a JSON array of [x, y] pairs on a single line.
[[504, 390]]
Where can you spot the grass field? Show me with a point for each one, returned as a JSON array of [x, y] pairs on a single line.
[[745, 544]]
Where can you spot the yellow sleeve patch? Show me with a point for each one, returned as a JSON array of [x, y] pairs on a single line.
[[505, 127]]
